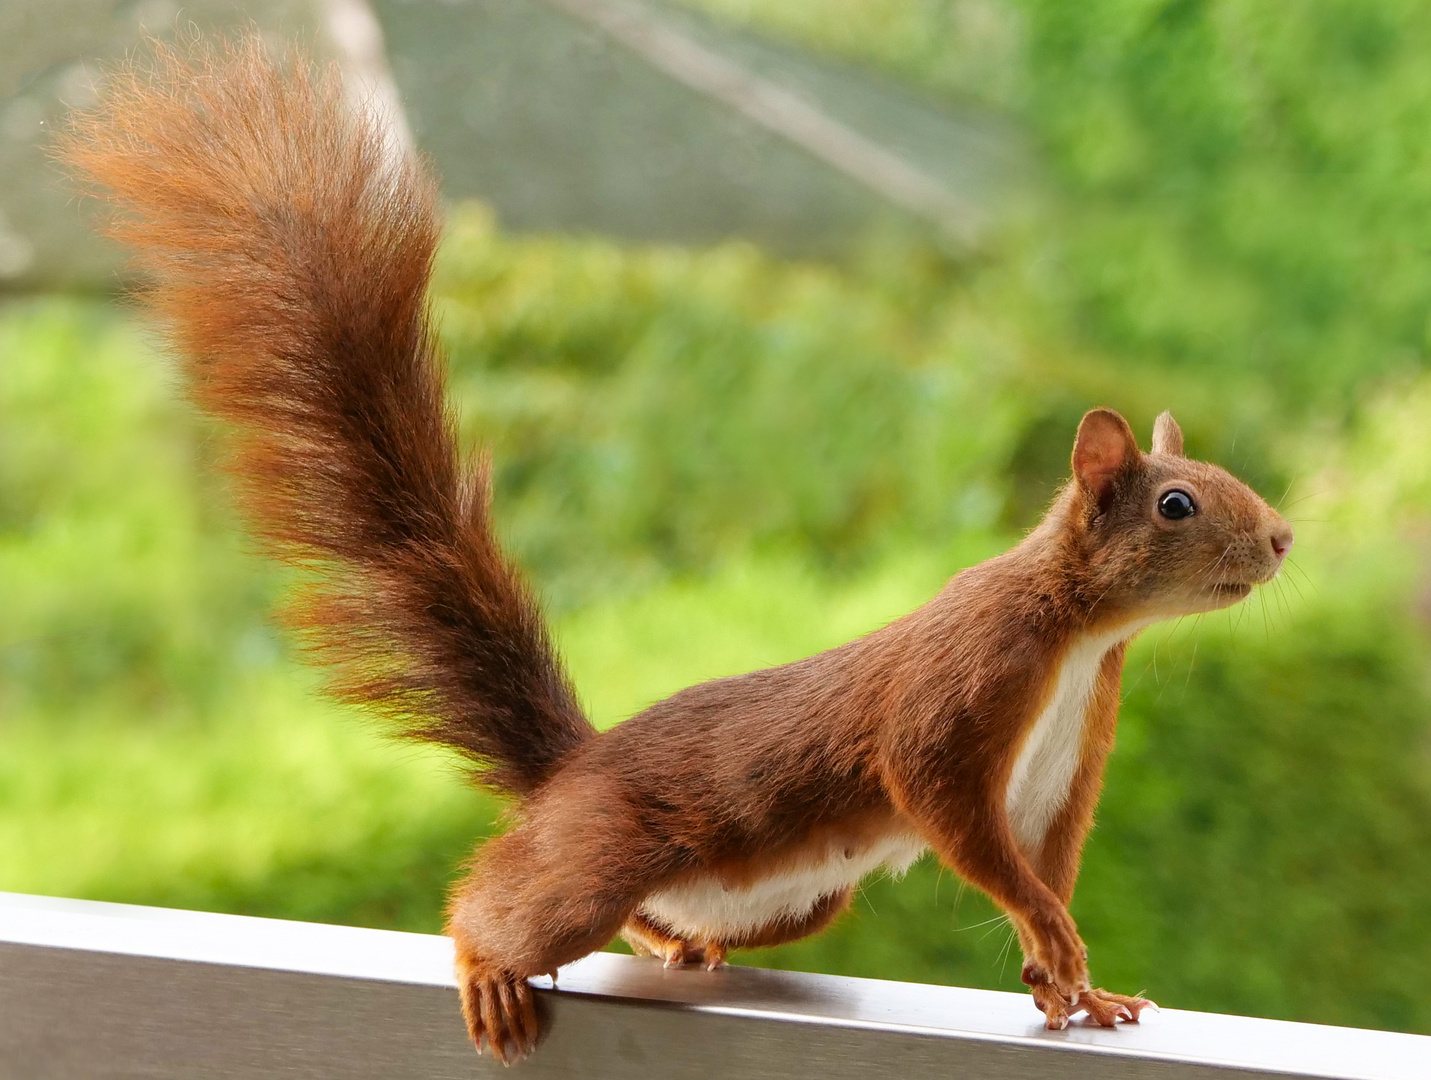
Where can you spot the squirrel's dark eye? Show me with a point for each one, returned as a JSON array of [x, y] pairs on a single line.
[[1176, 505]]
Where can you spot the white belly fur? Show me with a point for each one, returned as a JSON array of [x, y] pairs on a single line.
[[707, 909], [1043, 771]]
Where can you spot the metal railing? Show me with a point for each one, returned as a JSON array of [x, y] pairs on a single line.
[[107, 990]]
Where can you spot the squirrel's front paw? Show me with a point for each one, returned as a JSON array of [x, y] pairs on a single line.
[[1102, 1006], [1047, 999], [1107, 1008], [1060, 958]]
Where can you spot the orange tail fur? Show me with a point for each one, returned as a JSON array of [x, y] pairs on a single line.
[[288, 248]]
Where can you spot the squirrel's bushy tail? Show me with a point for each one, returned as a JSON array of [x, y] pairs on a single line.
[[287, 247]]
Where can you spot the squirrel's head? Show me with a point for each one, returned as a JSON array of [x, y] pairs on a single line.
[[1160, 535]]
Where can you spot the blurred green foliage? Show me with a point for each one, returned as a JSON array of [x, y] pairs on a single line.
[[660, 410], [717, 460], [1237, 189], [122, 568]]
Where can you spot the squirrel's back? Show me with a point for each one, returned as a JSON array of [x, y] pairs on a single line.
[[287, 244]]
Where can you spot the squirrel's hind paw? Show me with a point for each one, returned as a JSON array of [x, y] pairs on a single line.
[[681, 954], [501, 1013]]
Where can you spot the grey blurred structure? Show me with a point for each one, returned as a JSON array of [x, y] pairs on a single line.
[[109, 990], [649, 122], [51, 54], [640, 120]]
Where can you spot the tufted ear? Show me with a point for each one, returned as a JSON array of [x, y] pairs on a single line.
[[1167, 436], [1104, 447]]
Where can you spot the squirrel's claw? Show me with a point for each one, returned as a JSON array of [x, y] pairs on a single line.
[[679, 953], [501, 1016], [1103, 1007], [676, 955], [1052, 1004]]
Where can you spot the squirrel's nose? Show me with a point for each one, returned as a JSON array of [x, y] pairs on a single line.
[[1282, 540]]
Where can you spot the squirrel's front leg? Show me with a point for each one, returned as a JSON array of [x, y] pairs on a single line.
[[1057, 859], [976, 842], [1056, 862]]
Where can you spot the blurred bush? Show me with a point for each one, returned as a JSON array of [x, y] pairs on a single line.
[[1234, 190], [652, 411], [156, 743], [124, 576]]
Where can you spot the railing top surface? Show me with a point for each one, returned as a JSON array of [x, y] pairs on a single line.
[[1171, 1036]]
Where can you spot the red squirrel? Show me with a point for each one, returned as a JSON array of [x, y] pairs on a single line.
[[287, 245]]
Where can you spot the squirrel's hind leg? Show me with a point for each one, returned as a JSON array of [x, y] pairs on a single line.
[[546, 893], [648, 938]]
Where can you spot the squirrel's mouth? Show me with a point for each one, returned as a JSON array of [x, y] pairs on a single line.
[[1232, 590]]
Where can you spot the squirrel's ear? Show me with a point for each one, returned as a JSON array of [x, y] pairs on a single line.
[[1104, 447], [1167, 436]]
